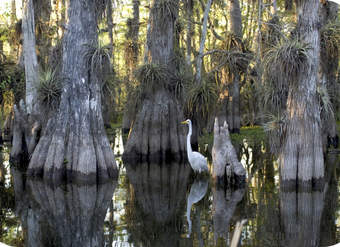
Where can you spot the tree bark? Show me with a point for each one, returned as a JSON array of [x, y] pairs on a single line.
[[30, 56], [25, 136], [328, 71], [301, 156], [156, 133], [234, 100], [199, 62], [26, 116], [132, 59], [225, 162], [74, 145], [189, 10]]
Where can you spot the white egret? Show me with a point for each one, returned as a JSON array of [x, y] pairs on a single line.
[[335, 1], [197, 161]]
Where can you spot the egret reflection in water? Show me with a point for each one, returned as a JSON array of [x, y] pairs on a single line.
[[197, 192]]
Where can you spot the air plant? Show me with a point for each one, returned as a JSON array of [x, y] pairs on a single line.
[[49, 88]]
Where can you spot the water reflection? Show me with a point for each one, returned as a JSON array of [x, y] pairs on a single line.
[[156, 203], [224, 206], [197, 192], [150, 208], [301, 217], [70, 215]]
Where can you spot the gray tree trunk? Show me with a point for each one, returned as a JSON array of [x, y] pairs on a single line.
[[156, 132], [25, 135], [26, 124], [301, 157], [328, 71], [225, 161], [234, 100], [199, 63], [189, 9], [74, 145], [30, 56]]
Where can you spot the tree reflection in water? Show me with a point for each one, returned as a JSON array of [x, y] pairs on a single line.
[[156, 203], [151, 204], [70, 215], [225, 201]]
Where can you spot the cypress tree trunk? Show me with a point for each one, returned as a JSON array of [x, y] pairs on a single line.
[[301, 155], [30, 56], [234, 100], [26, 123], [156, 132], [74, 145], [189, 11], [328, 71], [131, 54]]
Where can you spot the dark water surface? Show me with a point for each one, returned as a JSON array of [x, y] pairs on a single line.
[[165, 205]]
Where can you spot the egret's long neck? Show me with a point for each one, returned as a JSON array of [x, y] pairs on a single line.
[[189, 149]]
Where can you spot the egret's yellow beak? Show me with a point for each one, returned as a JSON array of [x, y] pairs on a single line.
[[184, 122]]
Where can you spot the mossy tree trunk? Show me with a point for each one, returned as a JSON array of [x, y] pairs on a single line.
[[74, 145], [131, 59], [301, 156], [230, 98], [329, 67], [156, 132]]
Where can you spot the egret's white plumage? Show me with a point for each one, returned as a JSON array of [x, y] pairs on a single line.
[[197, 161], [335, 1]]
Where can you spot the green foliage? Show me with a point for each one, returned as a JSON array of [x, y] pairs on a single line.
[[275, 126], [271, 33], [286, 60], [202, 98], [98, 59], [253, 135], [330, 39], [234, 56], [49, 88], [12, 84], [153, 76], [282, 65], [325, 99]]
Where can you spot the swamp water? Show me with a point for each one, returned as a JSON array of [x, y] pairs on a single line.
[[165, 205]]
